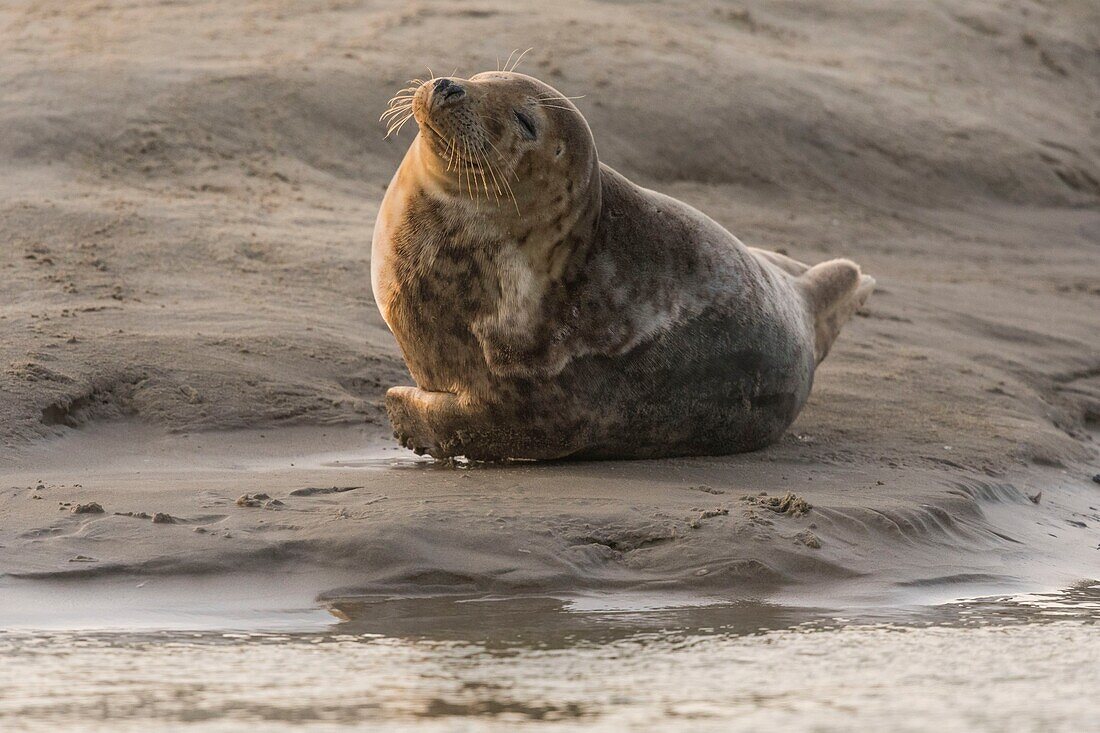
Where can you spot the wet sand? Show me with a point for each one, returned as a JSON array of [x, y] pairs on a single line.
[[1020, 663], [186, 201], [334, 514]]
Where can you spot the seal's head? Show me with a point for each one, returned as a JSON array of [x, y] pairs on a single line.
[[502, 138]]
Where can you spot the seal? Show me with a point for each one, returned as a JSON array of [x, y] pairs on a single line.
[[549, 308]]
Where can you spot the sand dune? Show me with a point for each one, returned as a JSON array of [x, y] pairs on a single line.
[[187, 197]]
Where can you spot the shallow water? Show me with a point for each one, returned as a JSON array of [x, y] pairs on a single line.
[[595, 663]]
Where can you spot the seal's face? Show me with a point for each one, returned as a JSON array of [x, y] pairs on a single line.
[[501, 137]]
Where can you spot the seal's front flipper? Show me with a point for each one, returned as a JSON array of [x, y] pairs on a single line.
[[426, 422], [444, 426], [835, 289]]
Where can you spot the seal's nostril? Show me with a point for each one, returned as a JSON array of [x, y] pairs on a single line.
[[445, 89]]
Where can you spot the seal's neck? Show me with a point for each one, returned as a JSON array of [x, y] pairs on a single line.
[[537, 213]]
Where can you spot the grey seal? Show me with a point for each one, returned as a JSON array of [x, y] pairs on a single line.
[[549, 308]]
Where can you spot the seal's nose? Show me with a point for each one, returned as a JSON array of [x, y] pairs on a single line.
[[446, 91]]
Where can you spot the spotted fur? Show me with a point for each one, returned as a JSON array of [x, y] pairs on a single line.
[[588, 317]]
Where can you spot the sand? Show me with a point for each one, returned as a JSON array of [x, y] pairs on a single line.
[[188, 192]]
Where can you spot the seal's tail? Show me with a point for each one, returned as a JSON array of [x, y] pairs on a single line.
[[835, 289]]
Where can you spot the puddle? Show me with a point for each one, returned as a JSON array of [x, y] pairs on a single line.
[[602, 662], [378, 462], [275, 601], [127, 448]]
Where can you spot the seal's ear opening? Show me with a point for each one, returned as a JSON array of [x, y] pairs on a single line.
[[526, 125]]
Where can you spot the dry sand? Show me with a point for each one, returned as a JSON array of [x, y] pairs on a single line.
[[187, 197]]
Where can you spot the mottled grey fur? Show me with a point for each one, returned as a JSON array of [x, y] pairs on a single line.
[[655, 331]]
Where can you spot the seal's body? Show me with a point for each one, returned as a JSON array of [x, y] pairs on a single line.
[[548, 308]]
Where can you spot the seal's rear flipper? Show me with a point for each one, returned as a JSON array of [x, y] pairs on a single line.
[[783, 262], [836, 289]]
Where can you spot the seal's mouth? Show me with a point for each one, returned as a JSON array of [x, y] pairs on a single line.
[[420, 101], [440, 109], [438, 139], [439, 99], [446, 146]]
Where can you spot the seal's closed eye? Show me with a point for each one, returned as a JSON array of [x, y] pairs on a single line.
[[526, 125]]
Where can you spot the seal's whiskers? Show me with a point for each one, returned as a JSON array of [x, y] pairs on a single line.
[[481, 172], [397, 104], [398, 121], [518, 59], [395, 112], [452, 155], [399, 109], [497, 193], [466, 168], [504, 178], [559, 97], [556, 106], [486, 165]]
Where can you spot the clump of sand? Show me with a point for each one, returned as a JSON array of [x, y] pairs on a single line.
[[790, 503]]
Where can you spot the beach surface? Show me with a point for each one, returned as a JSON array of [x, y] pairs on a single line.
[[192, 365]]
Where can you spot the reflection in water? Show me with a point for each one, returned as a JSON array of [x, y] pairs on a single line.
[[500, 664], [551, 623]]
